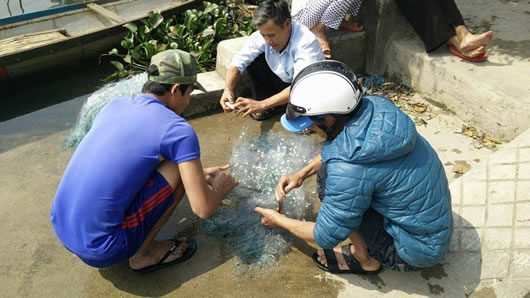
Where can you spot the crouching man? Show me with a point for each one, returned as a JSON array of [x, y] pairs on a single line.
[[132, 169], [381, 184], [272, 55]]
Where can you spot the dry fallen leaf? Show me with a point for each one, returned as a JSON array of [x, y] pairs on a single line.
[[492, 139], [461, 167], [419, 107], [470, 131]]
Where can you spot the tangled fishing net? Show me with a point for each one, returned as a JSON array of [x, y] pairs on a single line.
[[98, 100], [258, 163]]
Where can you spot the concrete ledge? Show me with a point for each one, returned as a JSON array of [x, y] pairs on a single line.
[[206, 103], [476, 93], [349, 47], [494, 96], [226, 49]]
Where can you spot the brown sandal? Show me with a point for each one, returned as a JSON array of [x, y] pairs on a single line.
[[351, 27]]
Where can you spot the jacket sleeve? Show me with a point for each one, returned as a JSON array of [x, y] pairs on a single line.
[[348, 193]]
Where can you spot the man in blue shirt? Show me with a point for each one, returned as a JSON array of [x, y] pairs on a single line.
[[132, 169], [272, 55]]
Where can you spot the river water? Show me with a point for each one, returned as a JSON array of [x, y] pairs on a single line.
[[16, 7]]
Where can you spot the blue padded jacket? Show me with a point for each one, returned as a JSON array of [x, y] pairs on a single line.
[[380, 161]]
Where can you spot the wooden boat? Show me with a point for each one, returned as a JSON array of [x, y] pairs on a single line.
[[57, 36]]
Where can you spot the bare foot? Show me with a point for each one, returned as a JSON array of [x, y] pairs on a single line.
[[467, 51], [475, 52], [474, 41], [368, 264], [154, 254]]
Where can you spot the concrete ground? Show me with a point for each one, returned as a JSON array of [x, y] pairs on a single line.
[[35, 264]]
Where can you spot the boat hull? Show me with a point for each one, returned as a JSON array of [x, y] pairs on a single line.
[[79, 44]]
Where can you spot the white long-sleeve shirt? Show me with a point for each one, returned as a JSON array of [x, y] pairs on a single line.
[[301, 50]]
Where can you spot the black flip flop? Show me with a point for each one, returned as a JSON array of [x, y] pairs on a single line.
[[333, 266], [192, 247], [263, 115]]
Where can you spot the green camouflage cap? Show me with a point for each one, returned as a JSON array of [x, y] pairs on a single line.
[[175, 67]]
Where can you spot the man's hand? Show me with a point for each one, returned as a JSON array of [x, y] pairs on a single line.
[[286, 184], [270, 217], [228, 96], [246, 106], [223, 183], [211, 173]]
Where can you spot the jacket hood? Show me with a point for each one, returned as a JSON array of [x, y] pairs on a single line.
[[378, 131]]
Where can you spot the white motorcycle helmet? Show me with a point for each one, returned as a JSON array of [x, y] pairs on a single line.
[[321, 88]]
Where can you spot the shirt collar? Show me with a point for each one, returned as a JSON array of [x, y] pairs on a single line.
[[150, 98]]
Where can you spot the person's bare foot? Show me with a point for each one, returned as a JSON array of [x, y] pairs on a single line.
[[367, 263], [468, 51], [471, 41], [475, 52], [154, 254], [468, 44]]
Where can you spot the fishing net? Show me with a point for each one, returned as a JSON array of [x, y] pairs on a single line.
[[98, 100], [258, 163]]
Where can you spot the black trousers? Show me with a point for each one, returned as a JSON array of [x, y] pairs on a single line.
[[263, 81], [433, 20]]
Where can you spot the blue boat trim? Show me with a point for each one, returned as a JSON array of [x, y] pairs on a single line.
[[41, 13]]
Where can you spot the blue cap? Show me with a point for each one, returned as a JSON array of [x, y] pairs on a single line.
[[296, 125]]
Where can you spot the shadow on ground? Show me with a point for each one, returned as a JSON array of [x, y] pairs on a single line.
[[457, 276], [163, 282]]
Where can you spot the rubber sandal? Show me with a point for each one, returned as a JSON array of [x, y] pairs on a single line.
[[192, 247], [347, 26], [453, 50], [263, 115], [353, 264], [326, 50], [269, 113]]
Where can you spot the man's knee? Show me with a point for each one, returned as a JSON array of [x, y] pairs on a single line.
[[170, 171]]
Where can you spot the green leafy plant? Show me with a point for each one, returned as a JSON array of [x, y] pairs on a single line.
[[195, 31]]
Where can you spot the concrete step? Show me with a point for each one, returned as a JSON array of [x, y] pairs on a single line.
[[226, 49], [206, 103], [494, 96]]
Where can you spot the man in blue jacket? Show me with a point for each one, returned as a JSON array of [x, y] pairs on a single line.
[[381, 184]]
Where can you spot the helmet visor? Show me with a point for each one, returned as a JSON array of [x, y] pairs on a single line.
[[295, 125], [294, 112]]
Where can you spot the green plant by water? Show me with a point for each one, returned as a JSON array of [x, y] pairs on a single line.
[[197, 31]]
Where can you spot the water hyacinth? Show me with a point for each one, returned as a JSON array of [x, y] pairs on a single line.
[[258, 163]]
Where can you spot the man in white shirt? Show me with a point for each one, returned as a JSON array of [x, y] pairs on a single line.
[[273, 55]]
